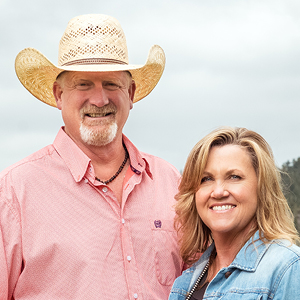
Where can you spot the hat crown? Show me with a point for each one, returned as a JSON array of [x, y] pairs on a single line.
[[90, 39]]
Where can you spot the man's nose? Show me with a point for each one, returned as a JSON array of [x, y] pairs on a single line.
[[98, 96], [219, 191]]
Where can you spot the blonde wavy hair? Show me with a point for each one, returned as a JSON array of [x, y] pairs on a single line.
[[274, 219]]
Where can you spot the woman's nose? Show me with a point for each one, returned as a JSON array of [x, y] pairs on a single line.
[[219, 191]]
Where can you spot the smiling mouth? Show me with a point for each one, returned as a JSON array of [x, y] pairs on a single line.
[[222, 207], [92, 111], [98, 115]]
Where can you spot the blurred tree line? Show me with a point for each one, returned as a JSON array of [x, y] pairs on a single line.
[[291, 182]]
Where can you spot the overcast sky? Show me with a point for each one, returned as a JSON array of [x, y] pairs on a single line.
[[232, 62]]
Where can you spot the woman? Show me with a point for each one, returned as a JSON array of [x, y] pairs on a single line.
[[231, 207]]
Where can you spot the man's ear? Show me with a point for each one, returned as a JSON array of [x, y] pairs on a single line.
[[131, 92], [57, 92]]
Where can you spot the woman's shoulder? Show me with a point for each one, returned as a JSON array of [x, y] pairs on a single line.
[[285, 247], [281, 255]]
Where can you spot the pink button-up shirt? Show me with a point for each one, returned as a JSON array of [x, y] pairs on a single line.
[[63, 235]]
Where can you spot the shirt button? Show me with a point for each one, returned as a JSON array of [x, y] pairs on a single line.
[[135, 296], [123, 221], [104, 189], [85, 180], [129, 258]]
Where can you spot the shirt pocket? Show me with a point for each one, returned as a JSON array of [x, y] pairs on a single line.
[[167, 259]]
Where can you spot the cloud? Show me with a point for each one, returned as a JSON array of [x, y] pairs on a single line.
[[228, 63]]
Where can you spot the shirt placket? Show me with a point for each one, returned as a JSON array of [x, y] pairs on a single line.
[[130, 264]]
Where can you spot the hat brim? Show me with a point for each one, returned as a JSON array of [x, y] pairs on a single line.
[[38, 74]]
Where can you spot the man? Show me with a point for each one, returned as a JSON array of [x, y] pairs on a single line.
[[89, 217]]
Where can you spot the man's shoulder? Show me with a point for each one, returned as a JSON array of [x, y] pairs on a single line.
[[26, 163], [156, 162]]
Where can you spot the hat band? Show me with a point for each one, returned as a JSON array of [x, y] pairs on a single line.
[[94, 61]]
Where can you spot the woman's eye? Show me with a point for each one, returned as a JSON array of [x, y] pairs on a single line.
[[235, 177], [205, 179]]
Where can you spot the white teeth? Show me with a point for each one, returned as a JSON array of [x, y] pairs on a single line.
[[96, 115], [223, 207]]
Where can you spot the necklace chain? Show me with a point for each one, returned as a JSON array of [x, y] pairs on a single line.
[[197, 282], [119, 171], [209, 263]]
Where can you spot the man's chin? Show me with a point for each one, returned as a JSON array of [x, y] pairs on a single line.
[[98, 136]]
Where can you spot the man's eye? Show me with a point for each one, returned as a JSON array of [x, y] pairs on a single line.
[[111, 86], [82, 85]]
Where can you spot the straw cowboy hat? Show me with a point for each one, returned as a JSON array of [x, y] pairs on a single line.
[[90, 43]]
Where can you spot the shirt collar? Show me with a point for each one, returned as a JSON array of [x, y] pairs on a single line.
[[78, 162], [138, 162], [75, 159]]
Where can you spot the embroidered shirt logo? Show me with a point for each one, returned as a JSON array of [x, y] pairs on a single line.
[[157, 223]]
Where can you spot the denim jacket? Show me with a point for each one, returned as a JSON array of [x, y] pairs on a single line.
[[259, 272]]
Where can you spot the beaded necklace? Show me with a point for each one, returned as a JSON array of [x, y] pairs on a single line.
[[119, 170]]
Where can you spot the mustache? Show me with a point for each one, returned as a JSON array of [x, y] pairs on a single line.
[[109, 108]]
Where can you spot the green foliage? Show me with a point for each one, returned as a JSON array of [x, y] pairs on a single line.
[[291, 182]]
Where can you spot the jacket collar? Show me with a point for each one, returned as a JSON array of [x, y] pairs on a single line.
[[198, 266], [247, 259], [251, 254]]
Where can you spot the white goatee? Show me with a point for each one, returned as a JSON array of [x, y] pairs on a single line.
[[98, 137]]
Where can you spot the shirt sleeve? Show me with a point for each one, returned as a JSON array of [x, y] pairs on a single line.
[[10, 242], [288, 285]]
